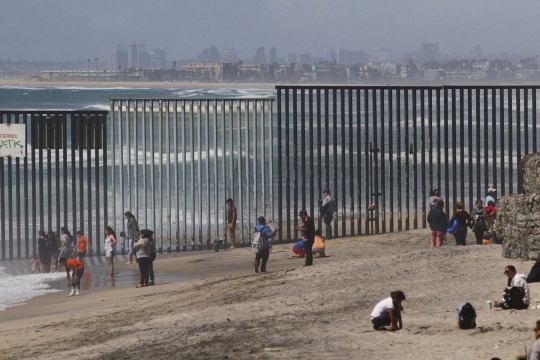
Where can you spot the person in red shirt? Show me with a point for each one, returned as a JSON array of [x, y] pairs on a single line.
[[74, 280], [81, 246]]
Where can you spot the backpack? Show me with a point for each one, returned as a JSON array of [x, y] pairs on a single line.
[[257, 241]]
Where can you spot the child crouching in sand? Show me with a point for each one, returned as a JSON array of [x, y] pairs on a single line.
[[388, 312], [77, 273]]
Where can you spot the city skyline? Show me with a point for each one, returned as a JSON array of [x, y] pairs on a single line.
[[62, 30]]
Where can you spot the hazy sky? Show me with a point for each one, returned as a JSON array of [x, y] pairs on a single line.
[[77, 30]]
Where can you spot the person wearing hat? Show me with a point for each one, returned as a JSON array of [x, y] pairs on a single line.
[[490, 196], [327, 210], [266, 235]]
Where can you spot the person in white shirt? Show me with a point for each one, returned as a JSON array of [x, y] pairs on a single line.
[[327, 211], [534, 354], [516, 295], [388, 312]]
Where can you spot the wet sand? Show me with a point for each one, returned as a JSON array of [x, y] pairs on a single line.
[[224, 310]]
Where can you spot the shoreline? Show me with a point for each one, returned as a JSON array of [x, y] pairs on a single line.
[[219, 313]]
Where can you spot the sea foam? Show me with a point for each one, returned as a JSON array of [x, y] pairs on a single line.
[[20, 288]]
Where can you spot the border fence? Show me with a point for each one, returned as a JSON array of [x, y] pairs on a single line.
[[61, 181], [173, 162]]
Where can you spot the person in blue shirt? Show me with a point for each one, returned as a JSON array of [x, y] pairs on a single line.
[[266, 235]]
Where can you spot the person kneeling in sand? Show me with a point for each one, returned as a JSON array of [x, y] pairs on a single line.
[[318, 244], [77, 272], [388, 312], [298, 249], [466, 316], [516, 295]]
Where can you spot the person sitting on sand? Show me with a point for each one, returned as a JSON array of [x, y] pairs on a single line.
[[466, 316], [516, 295], [437, 223], [318, 244], [486, 239], [388, 312], [77, 269], [534, 353]]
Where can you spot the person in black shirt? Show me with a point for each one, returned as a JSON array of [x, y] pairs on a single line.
[[463, 218], [44, 252], [308, 235]]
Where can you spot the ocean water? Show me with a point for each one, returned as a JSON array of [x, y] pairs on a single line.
[[16, 289]]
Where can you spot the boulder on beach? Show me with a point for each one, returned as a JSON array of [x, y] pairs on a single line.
[[518, 216]]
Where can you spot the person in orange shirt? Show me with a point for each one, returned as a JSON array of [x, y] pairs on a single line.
[[81, 246], [318, 244], [74, 280]]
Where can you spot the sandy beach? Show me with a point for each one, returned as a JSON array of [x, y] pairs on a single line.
[[223, 310]]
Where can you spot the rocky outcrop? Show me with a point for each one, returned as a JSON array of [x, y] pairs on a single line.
[[518, 216], [529, 169]]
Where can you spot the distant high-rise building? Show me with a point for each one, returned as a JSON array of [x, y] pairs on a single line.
[[330, 55], [429, 52], [383, 56], [273, 55], [210, 54], [259, 57], [344, 57], [476, 52], [137, 55], [229, 55], [158, 58], [291, 58], [305, 59], [119, 58], [360, 57]]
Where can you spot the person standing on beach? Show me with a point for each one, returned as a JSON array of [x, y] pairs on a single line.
[[44, 252], [266, 235], [133, 234], [231, 221], [479, 227], [308, 235], [152, 258], [110, 250], [463, 218], [34, 262], [327, 210], [437, 223], [51, 236], [143, 246], [81, 246], [65, 248]]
